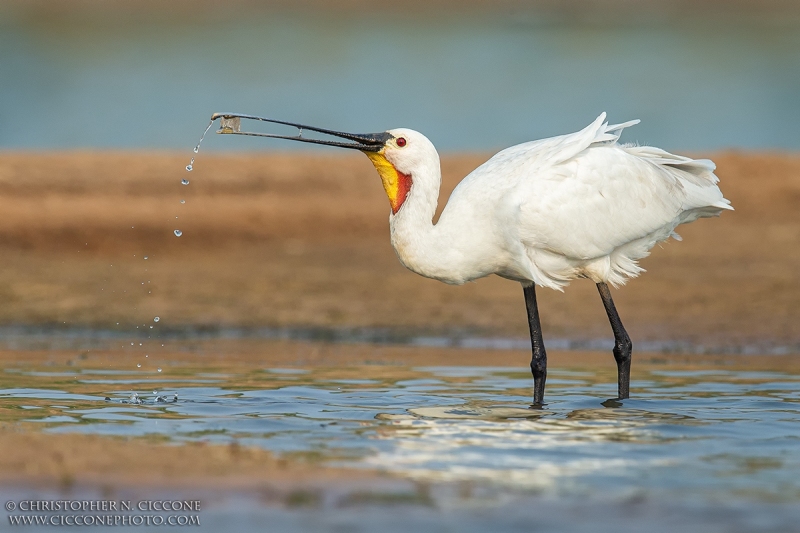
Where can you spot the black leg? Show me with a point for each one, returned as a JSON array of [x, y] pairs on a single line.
[[622, 343], [539, 359]]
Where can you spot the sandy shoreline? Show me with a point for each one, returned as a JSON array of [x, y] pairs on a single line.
[[300, 239], [72, 461]]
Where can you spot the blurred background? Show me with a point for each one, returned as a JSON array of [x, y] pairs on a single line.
[[471, 75], [177, 312], [102, 103]]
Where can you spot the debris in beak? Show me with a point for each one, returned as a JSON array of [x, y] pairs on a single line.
[[230, 125]]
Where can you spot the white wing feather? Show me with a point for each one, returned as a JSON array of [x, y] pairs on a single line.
[[583, 205]]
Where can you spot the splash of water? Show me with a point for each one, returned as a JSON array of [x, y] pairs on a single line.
[[190, 166]]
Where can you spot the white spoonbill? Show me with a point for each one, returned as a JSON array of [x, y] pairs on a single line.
[[540, 213]]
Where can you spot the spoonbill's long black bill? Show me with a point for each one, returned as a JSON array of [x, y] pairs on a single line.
[[230, 123]]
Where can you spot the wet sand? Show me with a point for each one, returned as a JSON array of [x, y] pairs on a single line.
[[302, 240], [75, 461]]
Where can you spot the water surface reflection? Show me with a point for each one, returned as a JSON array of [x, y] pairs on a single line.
[[689, 434]]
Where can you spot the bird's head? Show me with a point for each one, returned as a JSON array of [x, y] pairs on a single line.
[[398, 155], [403, 154]]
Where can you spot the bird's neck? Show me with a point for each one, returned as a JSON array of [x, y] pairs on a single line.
[[420, 245]]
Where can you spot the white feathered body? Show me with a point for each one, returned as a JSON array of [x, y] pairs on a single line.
[[549, 211]]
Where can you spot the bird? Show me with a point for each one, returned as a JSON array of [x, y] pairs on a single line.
[[541, 213]]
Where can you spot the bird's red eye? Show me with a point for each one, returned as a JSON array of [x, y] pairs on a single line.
[[401, 141]]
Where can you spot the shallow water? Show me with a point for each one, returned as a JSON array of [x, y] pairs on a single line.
[[693, 437]]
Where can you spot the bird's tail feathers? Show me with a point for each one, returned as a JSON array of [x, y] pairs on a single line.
[[695, 176], [702, 168]]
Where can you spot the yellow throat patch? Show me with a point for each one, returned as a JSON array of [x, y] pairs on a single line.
[[396, 184]]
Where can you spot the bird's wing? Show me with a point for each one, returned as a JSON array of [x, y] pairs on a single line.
[[583, 195], [506, 169], [602, 199], [528, 157], [598, 196]]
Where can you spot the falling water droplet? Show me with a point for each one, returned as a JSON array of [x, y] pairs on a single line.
[[156, 319], [145, 258], [184, 181], [183, 201], [178, 233], [131, 344], [138, 365], [197, 148], [146, 355], [159, 370]]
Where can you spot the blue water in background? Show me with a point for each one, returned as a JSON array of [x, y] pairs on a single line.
[[469, 82]]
